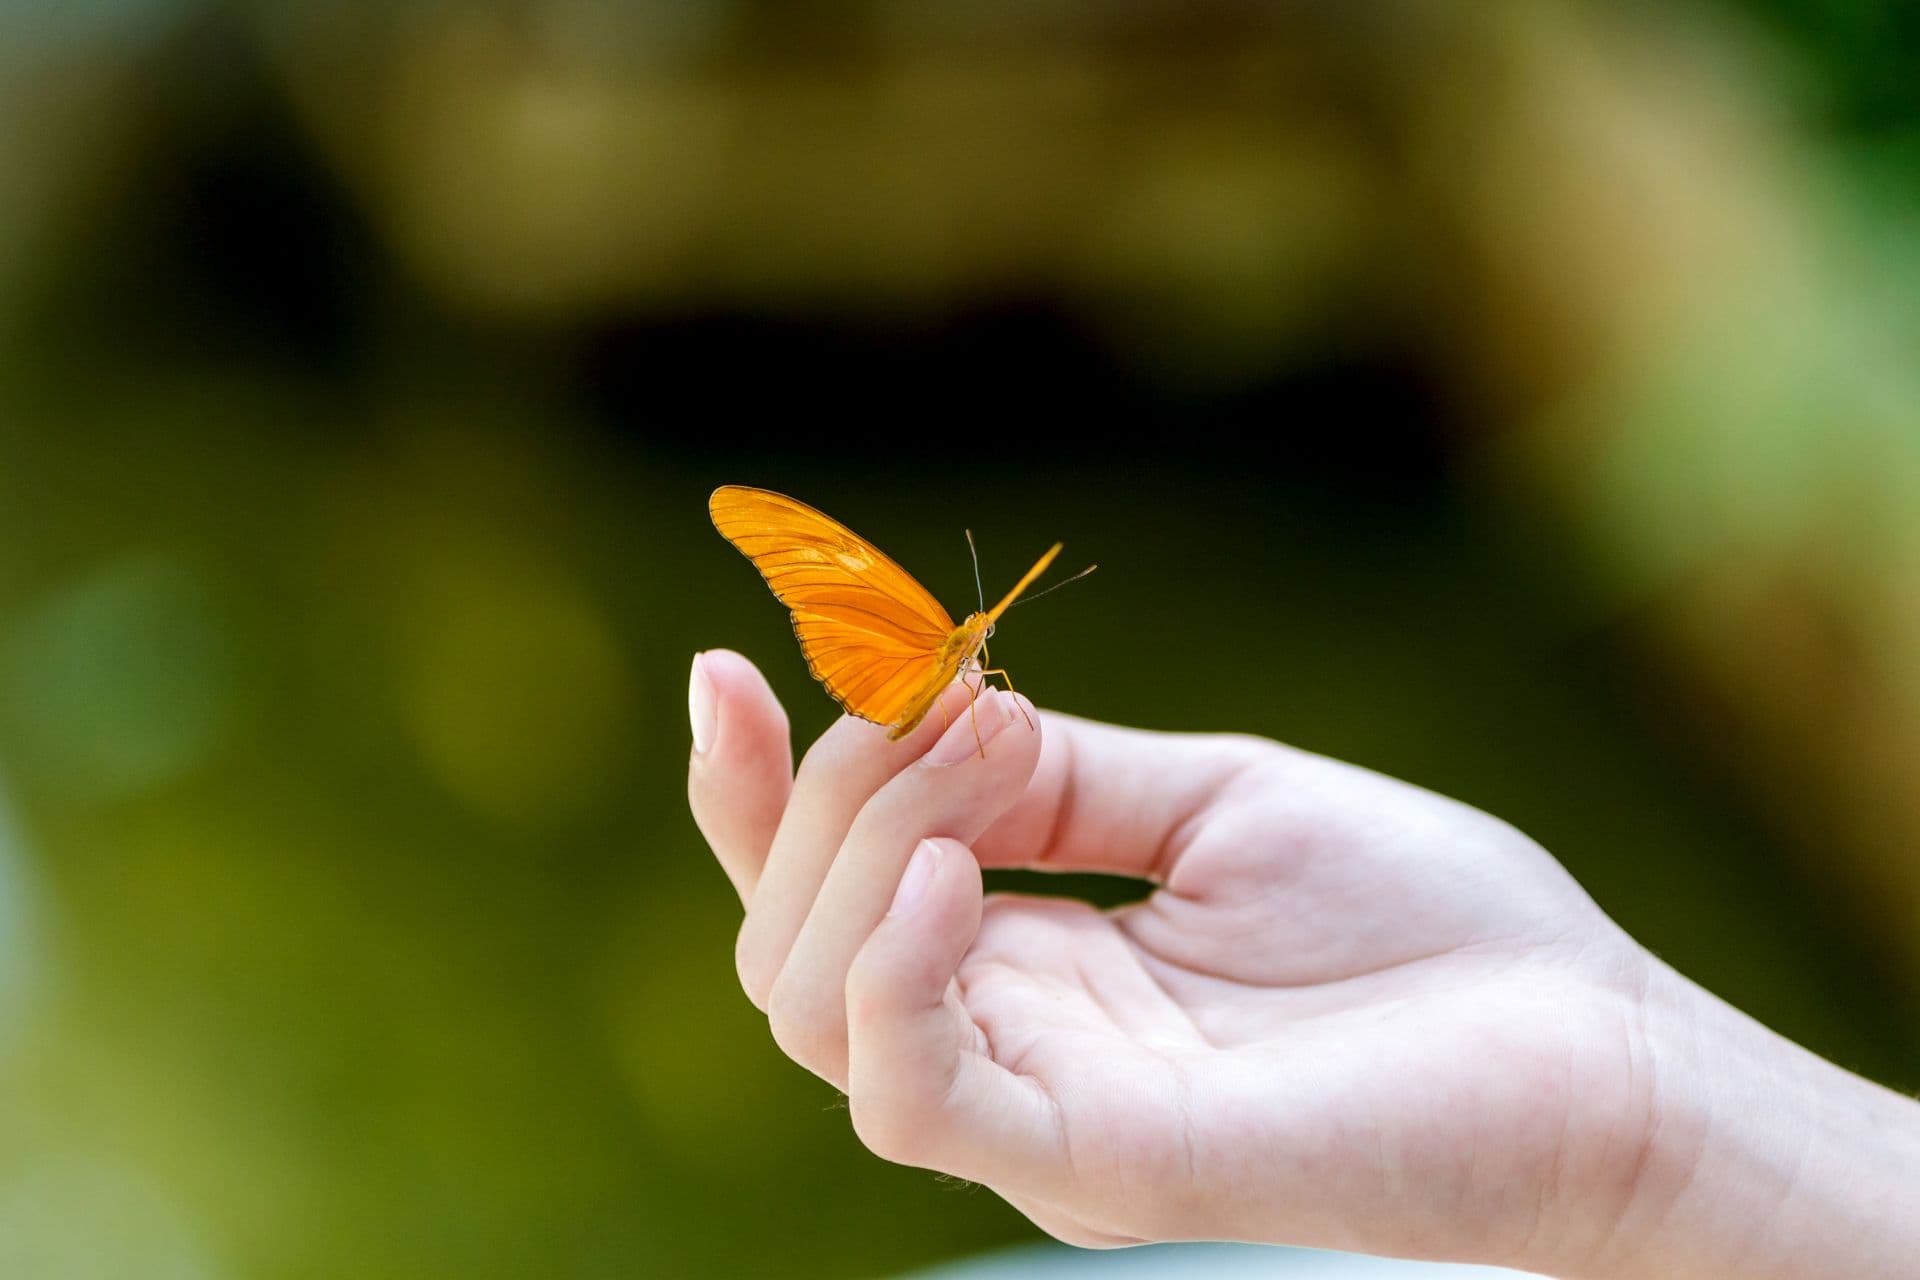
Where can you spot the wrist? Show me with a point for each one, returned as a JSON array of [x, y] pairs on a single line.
[[1759, 1158]]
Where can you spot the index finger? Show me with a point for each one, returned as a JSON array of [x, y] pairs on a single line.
[[1116, 801]]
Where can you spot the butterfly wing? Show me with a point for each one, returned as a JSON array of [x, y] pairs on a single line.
[[872, 635]]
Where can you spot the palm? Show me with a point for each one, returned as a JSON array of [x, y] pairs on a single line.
[[1326, 964]]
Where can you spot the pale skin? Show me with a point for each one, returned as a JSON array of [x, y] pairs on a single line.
[[1352, 1014]]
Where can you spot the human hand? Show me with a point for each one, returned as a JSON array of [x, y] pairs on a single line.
[[1352, 1013]]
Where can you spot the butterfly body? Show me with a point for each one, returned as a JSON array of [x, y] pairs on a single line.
[[959, 653], [879, 642]]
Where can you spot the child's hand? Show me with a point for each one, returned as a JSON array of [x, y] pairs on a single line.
[[1352, 1014]]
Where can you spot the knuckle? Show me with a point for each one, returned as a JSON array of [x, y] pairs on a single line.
[[779, 727], [1249, 757], [1260, 753], [703, 802], [888, 1130], [798, 1027], [887, 809], [869, 996], [783, 1013], [866, 1007], [756, 975], [899, 814], [829, 753]]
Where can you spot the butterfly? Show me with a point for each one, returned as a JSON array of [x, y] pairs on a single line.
[[881, 644]]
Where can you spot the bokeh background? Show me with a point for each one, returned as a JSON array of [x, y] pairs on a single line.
[[1519, 397]]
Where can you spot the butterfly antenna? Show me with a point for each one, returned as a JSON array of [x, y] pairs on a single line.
[[977, 589], [1055, 587]]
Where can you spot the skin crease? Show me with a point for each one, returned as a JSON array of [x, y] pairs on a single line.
[[1353, 1014]]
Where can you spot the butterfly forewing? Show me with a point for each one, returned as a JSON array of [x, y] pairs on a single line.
[[870, 633]]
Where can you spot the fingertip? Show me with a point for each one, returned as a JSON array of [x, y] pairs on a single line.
[[736, 718], [948, 883], [739, 685], [730, 661], [702, 706], [1030, 720], [913, 952], [923, 864], [989, 726], [740, 771]]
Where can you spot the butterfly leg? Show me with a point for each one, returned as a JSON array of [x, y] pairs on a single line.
[[1002, 673], [974, 714], [986, 671]]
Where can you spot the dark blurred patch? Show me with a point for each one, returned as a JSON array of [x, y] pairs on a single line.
[[1101, 891], [1867, 56], [1020, 385], [229, 241]]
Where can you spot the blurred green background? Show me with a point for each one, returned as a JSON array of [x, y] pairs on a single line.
[[1517, 397]]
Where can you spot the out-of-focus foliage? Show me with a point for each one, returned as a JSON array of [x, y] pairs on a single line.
[[1517, 397]]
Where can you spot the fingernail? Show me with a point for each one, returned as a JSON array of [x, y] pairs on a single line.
[[700, 706], [915, 879], [991, 712]]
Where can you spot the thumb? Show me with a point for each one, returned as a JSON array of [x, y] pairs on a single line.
[[922, 1086]]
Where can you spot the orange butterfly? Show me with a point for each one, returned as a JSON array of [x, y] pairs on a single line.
[[877, 639]]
